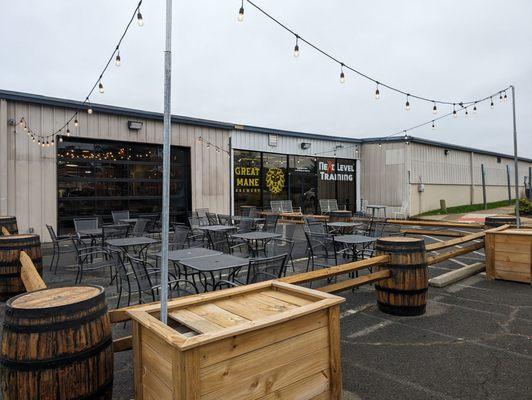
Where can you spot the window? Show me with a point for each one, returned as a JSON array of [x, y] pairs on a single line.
[[275, 178], [247, 178], [97, 177]]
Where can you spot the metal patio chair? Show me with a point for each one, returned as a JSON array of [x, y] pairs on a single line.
[[59, 247], [90, 258], [212, 218], [119, 215], [258, 270]]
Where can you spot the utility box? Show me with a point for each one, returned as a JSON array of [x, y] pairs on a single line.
[[269, 340]]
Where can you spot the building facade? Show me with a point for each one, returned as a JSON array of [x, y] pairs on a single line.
[[112, 160]]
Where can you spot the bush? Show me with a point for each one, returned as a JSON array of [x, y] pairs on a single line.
[[525, 207]]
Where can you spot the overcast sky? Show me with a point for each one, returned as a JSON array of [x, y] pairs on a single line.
[[246, 73]]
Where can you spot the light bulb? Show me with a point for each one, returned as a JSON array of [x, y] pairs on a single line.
[[380, 144], [68, 132], [455, 114], [475, 108], [505, 96], [466, 113], [500, 96], [76, 123], [140, 20], [435, 109], [100, 87], [241, 12], [32, 138], [60, 139], [433, 126], [118, 60], [492, 105], [208, 146], [89, 110], [342, 75], [22, 122], [52, 142], [296, 47], [407, 104], [377, 93]]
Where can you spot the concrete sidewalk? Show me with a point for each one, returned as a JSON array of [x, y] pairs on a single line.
[[474, 216]]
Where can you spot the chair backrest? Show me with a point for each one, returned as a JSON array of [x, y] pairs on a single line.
[[320, 245], [324, 206], [391, 230], [118, 231], [118, 215], [193, 222], [376, 228], [278, 246], [288, 231], [270, 222], [85, 223], [224, 219], [51, 232], [286, 206], [201, 212], [316, 227], [245, 225], [180, 238], [143, 278], [140, 227], [151, 224], [263, 269], [212, 218], [247, 211], [276, 206], [117, 256], [218, 241]]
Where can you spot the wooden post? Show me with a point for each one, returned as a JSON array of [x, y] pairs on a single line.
[[443, 205], [483, 174], [405, 292], [509, 184]]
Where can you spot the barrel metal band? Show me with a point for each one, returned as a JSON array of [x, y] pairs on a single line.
[[10, 275], [55, 326], [21, 246], [400, 291], [56, 362], [416, 250], [402, 310]]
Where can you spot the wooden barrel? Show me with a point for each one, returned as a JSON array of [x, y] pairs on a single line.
[[498, 220], [10, 247], [57, 344], [405, 292], [10, 223], [340, 216]]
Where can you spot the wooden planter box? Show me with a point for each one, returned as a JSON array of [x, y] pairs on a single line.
[[270, 340], [509, 255]]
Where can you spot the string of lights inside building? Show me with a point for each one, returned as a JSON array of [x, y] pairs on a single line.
[[463, 106], [49, 140]]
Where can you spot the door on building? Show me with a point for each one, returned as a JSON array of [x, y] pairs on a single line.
[[303, 191]]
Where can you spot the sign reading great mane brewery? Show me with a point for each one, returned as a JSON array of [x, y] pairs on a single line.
[[247, 179], [339, 171]]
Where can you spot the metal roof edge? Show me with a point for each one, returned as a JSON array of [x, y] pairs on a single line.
[[414, 139]]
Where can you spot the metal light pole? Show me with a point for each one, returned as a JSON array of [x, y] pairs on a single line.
[[167, 129], [516, 161]]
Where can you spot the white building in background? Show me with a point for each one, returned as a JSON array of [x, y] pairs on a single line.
[[112, 161]]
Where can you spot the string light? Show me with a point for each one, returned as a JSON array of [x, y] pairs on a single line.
[[76, 123], [140, 20], [118, 60], [241, 12], [377, 92], [491, 104], [434, 109], [433, 125], [500, 96], [455, 114], [89, 110], [100, 87], [505, 96], [407, 104], [296, 47], [68, 131], [342, 75], [475, 108], [466, 113]]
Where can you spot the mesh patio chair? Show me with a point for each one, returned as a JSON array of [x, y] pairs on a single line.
[[276, 206], [90, 258], [248, 211], [278, 246], [152, 226], [212, 218], [321, 251], [316, 227], [245, 225], [201, 212], [119, 215], [196, 234], [86, 223], [270, 223], [259, 270], [59, 247], [118, 231], [140, 227], [180, 238], [225, 219]]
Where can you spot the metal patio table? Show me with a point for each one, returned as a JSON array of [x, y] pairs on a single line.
[[240, 218], [130, 221], [354, 241], [217, 228], [208, 265], [254, 238], [142, 241], [375, 207], [192, 252], [342, 226]]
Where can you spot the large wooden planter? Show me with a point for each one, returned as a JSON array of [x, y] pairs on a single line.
[[509, 255], [269, 340]]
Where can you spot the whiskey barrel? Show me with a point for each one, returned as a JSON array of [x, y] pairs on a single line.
[[57, 344], [499, 220], [10, 223], [340, 216], [10, 247], [405, 292]]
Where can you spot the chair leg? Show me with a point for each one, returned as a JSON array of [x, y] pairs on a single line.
[[57, 262], [52, 262]]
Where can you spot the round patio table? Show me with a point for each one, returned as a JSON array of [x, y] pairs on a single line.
[[254, 238], [354, 241]]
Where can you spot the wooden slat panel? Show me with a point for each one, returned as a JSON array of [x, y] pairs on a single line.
[[304, 389], [248, 307], [152, 359], [287, 297], [260, 381], [334, 348], [193, 321], [217, 315], [241, 344], [513, 276], [512, 256], [155, 385], [229, 373]]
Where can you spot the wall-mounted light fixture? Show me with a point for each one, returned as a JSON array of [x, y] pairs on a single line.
[[135, 125], [305, 145], [446, 152]]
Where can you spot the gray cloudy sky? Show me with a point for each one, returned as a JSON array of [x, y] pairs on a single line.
[[245, 72]]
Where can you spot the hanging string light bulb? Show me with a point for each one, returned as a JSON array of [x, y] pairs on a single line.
[[505, 96], [500, 96], [118, 60], [100, 87], [455, 114], [342, 75], [433, 125], [296, 47], [241, 12], [76, 122], [475, 108], [60, 139], [466, 112], [140, 20], [491, 104], [22, 122], [68, 131], [434, 109], [52, 141], [407, 104], [377, 93]]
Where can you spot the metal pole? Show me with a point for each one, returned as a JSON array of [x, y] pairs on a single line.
[[516, 161], [509, 184], [530, 183], [167, 128], [484, 200]]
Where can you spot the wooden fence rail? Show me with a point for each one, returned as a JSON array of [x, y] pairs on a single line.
[[464, 239]]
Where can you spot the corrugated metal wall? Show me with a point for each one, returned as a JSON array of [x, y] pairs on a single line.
[[28, 172]]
